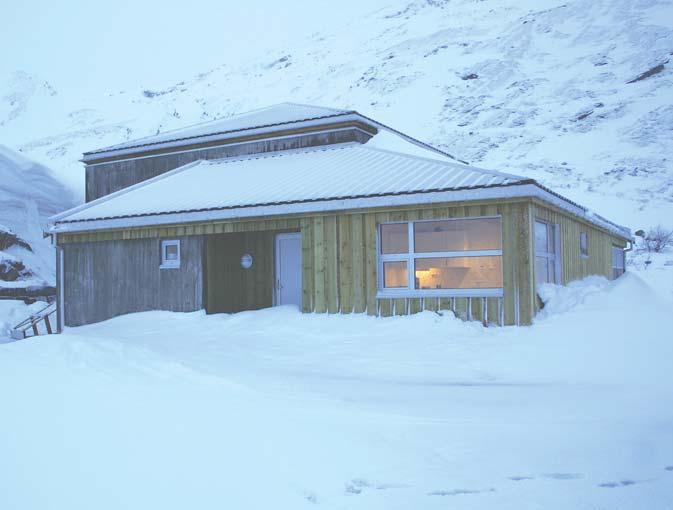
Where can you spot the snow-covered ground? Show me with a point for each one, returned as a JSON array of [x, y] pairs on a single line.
[[275, 409]]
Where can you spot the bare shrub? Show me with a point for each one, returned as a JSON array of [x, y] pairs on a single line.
[[657, 239]]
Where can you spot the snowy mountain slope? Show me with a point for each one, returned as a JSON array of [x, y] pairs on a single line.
[[29, 194], [535, 88]]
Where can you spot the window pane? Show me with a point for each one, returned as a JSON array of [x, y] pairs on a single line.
[[171, 252], [584, 244], [395, 275], [617, 257], [459, 273], [541, 237], [551, 271], [618, 262], [395, 238], [457, 235], [551, 233], [541, 270]]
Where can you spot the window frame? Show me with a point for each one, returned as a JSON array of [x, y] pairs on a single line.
[[555, 256], [165, 263], [584, 254], [410, 256], [612, 261]]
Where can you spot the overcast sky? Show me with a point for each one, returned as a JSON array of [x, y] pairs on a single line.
[[113, 45]]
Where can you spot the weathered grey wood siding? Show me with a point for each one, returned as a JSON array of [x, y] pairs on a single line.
[[105, 178], [108, 278]]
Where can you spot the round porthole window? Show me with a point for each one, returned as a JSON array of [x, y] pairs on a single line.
[[246, 261]]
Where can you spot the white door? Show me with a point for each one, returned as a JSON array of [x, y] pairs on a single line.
[[288, 269]]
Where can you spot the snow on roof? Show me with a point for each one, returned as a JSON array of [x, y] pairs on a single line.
[[319, 179], [279, 114], [317, 174], [263, 121]]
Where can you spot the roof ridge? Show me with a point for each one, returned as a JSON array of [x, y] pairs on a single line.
[[126, 146], [306, 105]]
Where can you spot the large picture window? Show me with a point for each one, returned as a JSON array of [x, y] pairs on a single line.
[[450, 257]]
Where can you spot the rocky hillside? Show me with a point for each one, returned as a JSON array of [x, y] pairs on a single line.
[[575, 94], [29, 193]]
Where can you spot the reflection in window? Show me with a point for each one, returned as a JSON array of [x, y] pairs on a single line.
[[459, 273], [542, 237], [395, 275], [545, 270], [457, 235], [170, 254], [394, 238], [618, 262], [444, 255], [545, 253], [584, 244]]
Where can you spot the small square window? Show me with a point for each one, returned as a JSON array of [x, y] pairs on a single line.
[[584, 244], [170, 254]]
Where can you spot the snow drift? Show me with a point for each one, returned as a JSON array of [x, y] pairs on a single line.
[[278, 409]]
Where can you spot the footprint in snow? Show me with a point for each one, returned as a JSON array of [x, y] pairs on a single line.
[[563, 476], [520, 478], [311, 497], [460, 492], [614, 485], [357, 485]]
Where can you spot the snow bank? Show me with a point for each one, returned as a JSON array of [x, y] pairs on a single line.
[[280, 409], [12, 312], [606, 331]]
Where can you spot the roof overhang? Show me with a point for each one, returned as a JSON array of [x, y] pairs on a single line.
[[337, 121], [521, 190]]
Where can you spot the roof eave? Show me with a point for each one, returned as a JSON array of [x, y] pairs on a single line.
[[523, 189], [224, 136]]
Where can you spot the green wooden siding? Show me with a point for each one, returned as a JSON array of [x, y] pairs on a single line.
[[339, 272], [573, 265]]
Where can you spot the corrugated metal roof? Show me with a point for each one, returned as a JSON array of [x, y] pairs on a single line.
[[279, 114], [307, 175]]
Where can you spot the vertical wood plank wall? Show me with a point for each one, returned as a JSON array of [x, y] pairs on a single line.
[[105, 178], [573, 265], [339, 272], [108, 278], [340, 264]]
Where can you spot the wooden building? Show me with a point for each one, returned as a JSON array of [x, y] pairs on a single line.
[[324, 209]]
